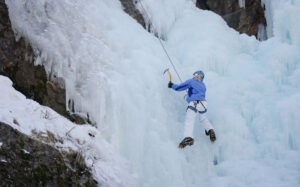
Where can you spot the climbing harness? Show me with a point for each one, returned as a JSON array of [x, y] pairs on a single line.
[[161, 43], [194, 108]]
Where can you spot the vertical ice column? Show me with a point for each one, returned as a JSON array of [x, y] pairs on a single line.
[[262, 32], [242, 3], [266, 4]]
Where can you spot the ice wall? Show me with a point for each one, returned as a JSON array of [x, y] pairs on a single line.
[[248, 88], [113, 70]]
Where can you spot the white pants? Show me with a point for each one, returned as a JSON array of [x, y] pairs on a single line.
[[190, 119]]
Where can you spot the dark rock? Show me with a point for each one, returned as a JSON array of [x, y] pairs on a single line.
[[16, 62], [129, 8], [202, 4], [28, 162], [79, 119], [244, 20]]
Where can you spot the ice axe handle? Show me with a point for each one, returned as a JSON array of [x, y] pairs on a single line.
[[167, 70], [170, 76]]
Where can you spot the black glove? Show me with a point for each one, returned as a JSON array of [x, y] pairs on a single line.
[[170, 84]]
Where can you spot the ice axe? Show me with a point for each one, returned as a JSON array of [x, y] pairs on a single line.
[[167, 70]]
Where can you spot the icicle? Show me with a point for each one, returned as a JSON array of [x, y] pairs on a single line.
[[242, 3], [262, 33], [266, 4]]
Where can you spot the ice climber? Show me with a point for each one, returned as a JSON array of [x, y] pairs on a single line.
[[196, 105]]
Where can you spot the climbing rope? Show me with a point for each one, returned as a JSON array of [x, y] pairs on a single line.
[[161, 43]]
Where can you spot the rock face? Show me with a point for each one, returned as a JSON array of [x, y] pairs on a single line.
[[27, 162], [243, 19], [16, 62], [129, 8]]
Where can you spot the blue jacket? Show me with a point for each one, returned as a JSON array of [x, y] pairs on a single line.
[[196, 89]]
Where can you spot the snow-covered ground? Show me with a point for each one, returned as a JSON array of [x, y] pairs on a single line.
[[46, 125], [113, 70]]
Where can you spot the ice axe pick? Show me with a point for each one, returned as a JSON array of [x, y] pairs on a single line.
[[167, 70]]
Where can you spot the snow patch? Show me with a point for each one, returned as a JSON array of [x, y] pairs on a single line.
[[25, 151]]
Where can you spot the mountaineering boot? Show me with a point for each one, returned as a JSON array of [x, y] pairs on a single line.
[[211, 134], [186, 141]]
